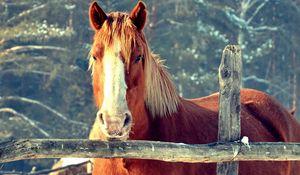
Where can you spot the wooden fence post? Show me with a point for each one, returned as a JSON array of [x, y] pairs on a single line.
[[229, 104]]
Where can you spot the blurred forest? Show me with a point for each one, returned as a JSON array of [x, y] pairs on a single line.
[[45, 87]]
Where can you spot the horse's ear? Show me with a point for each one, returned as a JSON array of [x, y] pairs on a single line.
[[97, 16], [138, 15]]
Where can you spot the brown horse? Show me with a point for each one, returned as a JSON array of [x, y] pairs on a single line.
[[137, 100]]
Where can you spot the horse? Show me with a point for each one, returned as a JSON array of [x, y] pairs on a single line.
[[137, 100]]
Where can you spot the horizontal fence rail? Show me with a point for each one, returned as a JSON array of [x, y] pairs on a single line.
[[12, 150]]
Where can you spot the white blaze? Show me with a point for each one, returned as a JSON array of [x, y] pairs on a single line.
[[114, 101]]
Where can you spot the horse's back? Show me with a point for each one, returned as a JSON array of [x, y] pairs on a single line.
[[265, 109], [263, 119]]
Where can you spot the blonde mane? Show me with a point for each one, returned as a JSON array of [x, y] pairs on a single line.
[[161, 97]]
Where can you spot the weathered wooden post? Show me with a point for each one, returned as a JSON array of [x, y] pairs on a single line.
[[229, 104]]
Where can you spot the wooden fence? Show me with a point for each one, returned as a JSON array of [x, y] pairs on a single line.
[[227, 152]]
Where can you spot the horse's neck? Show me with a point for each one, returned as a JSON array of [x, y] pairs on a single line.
[[141, 125], [161, 128], [190, 124]]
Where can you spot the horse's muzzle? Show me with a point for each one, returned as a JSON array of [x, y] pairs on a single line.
[[115, 127]]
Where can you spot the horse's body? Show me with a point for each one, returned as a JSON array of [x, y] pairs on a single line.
[[137, 100], [262, 119]]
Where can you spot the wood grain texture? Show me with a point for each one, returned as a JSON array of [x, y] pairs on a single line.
[[229, 103], [12, 150]]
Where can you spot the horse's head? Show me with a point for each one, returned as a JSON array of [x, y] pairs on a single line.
[[117, 63]]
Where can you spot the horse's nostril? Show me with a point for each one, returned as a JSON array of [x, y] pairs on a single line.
[[127, 119], [100, 115]]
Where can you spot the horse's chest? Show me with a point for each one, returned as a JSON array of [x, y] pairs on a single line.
[[148, 167], [151, 167]]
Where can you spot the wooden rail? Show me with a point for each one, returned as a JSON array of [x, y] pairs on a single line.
[[12, 150]]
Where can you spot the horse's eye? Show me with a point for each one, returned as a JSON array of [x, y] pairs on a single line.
[[94, 58], [138, 58]]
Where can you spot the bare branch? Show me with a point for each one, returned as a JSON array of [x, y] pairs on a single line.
[[34, 58], [2, 41], [27, 100], [32, 71], [252, 2], [240, 22], [261, 28], [207, 4], [12, 150], [18, 3], [31, 48], [173, 22], [25, 13], [31, 122], [261, 80], [256, 11], [5, 6], [167, 20], [245, 5]]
